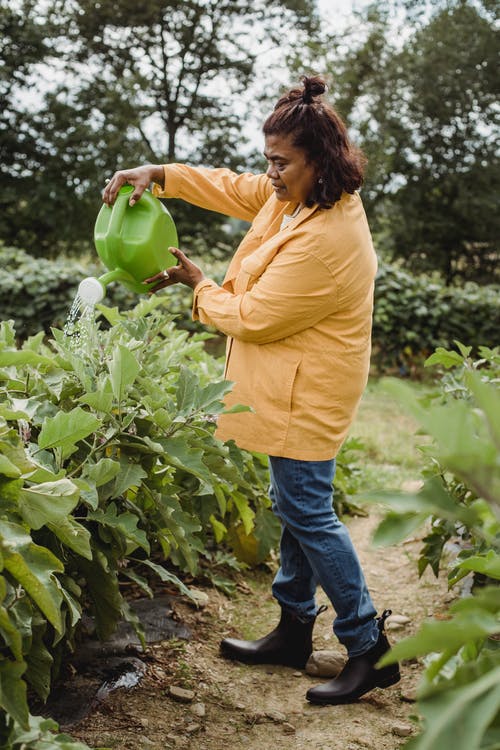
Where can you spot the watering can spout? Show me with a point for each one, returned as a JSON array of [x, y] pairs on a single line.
[[91, 291]]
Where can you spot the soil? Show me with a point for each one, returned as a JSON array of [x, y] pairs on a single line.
[[230, 706]]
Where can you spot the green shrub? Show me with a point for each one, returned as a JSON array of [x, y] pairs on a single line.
[[37, 293], [459, 697], [108, 470], [416, 314], [413, 314]]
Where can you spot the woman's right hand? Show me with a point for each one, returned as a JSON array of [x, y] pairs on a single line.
[[139, 177]]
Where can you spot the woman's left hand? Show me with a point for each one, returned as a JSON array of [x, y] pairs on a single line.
[[185, 272]]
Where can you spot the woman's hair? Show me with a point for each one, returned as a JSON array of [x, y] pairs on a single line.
[[316, 128]]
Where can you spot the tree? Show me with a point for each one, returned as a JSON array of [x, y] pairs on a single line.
[[423, 106], [157, 82], [446, 214]]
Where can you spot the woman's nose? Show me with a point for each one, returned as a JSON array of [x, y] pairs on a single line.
[[272, 172]]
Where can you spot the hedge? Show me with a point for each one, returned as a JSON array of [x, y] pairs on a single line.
[[416, 314], [413, 314]]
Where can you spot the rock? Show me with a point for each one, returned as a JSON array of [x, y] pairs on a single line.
[[396, 622], [297, 674], [401, 730], [193, 728], [260, 717], [198, 709], [325, 664], [276, 716], [409, 695], [288, 728], [200, 598], [181, 694]]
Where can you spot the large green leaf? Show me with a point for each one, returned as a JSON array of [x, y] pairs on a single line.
[[210, 398], [13, 691], [129, 475], [395, 527], [49, 502], [166, 576], [187, 387], [67, 428], [178, 452], [8, 469], [488, 397], [102, 584], [432, 499], [24, 357], [125, 522], [39, 665], [445, 636], [123, 370], [102, 472], [33, 567], [488, 564], [246, 513], [73, 535], [459, 718], [10, 633], [40, 734], [267, 532], [100, 400]]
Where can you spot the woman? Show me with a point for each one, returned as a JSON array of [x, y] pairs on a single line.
[[296, 306]]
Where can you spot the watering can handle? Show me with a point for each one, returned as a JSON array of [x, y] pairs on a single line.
[[117, 214]]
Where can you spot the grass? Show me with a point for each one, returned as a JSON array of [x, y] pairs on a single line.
[[391, 458]]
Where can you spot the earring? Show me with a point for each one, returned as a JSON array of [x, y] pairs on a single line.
[[320, 181]]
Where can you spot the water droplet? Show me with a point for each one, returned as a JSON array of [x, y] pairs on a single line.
[[79, 329]]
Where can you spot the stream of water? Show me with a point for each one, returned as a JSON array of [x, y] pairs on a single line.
[[80, 329]]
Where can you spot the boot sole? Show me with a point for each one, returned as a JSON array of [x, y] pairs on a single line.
[[250, 659], [339, 700]]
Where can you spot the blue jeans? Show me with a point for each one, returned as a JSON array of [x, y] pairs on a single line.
[[316, 548]]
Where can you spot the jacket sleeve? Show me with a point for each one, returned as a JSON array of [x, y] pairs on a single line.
[[221, 190], [296, 291]]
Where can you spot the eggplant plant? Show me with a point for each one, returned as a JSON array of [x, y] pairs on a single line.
[[109, 472], [459, 696]]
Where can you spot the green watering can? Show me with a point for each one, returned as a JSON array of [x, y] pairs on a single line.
[[132, 242]]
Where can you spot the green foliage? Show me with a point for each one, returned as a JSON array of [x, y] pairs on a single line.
[[37, 293], [459, 698], [176, 83], [415, 314], [40, 734], [108, 470], [417, 83]]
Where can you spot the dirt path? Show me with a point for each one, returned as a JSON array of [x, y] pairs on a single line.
[[233, 707]]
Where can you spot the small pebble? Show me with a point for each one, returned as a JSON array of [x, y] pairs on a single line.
[[401, 730], [200, 598], [276, 716], [181, 694], [198, 709], [288, 728]]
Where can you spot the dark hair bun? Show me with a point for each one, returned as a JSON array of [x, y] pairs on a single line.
[[313, 86]]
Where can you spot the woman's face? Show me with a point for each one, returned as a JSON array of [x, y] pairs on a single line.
[[291, 175]]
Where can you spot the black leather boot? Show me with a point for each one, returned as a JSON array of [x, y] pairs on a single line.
[[359, 674], [290, 643]]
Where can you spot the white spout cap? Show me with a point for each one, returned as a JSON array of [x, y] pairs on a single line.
[[91, 291]]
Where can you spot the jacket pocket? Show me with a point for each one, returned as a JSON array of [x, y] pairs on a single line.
[[264, 376]]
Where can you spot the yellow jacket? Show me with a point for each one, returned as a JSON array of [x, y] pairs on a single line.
[[296, 304]]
